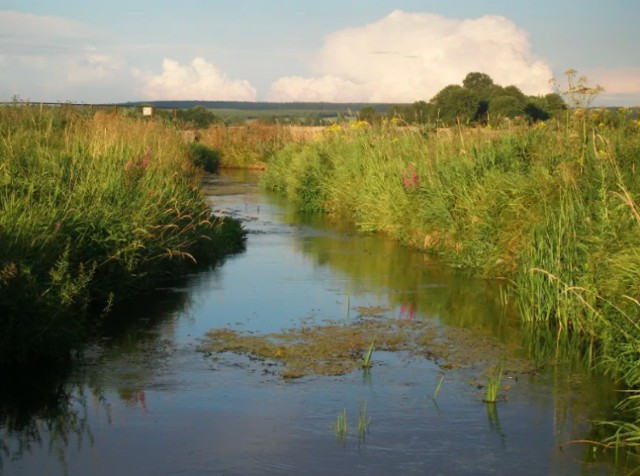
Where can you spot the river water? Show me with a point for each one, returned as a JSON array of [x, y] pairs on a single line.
[[145, 401]]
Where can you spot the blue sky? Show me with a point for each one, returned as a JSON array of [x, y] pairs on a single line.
[[285, 50]]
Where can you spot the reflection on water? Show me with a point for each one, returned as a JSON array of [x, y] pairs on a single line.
[[143, 401]]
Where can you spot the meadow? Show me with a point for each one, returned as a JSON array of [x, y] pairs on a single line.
[[550, 208], [94, 208]]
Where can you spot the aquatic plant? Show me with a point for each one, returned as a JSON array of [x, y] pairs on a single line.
[[366, 360], [363, 420], [502, 203], [437, 390], [340, 427], [493, 384]]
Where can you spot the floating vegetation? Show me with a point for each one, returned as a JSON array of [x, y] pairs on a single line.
[[337, 348]]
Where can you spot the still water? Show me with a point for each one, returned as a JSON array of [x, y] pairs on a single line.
[[144, 401]]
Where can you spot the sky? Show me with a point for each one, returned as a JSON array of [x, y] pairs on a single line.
[[296, 50]]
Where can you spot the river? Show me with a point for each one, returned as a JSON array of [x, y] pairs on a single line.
[[145, 401]]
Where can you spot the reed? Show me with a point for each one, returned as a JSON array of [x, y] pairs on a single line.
[[366, 360], [437, 390], [363, 420], [340, 427], [493, 384], [93, 209], [549, 207]]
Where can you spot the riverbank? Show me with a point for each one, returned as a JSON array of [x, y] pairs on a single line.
[[552, 208], [94, 209]]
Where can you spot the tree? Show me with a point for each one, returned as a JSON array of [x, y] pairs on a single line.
[[198, 117], [480, 83], [555, 103], [455, 103], [506, 106], [483, 86]]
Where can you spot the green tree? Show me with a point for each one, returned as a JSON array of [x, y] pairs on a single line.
[[455, 103], [198, 117], [506, 106], [483, 86], [555, 103], [481, 83]]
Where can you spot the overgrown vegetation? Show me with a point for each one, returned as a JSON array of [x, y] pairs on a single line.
[[204, 157], [252, 145], [550, 206], [93, 209]]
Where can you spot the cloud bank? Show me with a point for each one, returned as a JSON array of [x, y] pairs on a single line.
[[199, 80], [405, 57]]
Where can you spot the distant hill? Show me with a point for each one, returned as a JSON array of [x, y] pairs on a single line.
[[343, 108], [233, 112]]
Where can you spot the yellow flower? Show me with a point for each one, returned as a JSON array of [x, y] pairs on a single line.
[[359, 125], [335, 127]]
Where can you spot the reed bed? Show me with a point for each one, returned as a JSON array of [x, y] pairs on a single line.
[[93, 209], [253, 144], [551, 207]]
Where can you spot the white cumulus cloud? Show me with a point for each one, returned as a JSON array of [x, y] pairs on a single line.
[[406, 57], [198, 80]]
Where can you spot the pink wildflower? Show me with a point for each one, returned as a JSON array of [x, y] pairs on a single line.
[[410, 180], [145, 159]]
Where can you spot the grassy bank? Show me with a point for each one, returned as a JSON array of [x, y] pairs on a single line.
[[93, 209], [253, 144], [553, 208]]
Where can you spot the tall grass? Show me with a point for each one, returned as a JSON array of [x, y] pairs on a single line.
[[551, 207], [253, 144], [93, 208]]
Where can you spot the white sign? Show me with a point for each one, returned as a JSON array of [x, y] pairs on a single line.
[[147, 111]]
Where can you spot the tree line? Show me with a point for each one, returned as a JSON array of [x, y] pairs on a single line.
[[479, 100]]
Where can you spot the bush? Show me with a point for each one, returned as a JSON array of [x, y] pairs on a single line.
[[204, 157]]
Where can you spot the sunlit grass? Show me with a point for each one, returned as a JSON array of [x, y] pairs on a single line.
[[550, 208], [94, 208]]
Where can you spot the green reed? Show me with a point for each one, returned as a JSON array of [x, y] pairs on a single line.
[[340, 427], [550, 207], [93, 209], [366, 360], [493, 384], [363, 420]]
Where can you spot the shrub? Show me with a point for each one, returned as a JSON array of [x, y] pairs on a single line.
[[204, 157]]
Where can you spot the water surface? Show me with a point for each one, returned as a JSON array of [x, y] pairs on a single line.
[[144, 401]]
